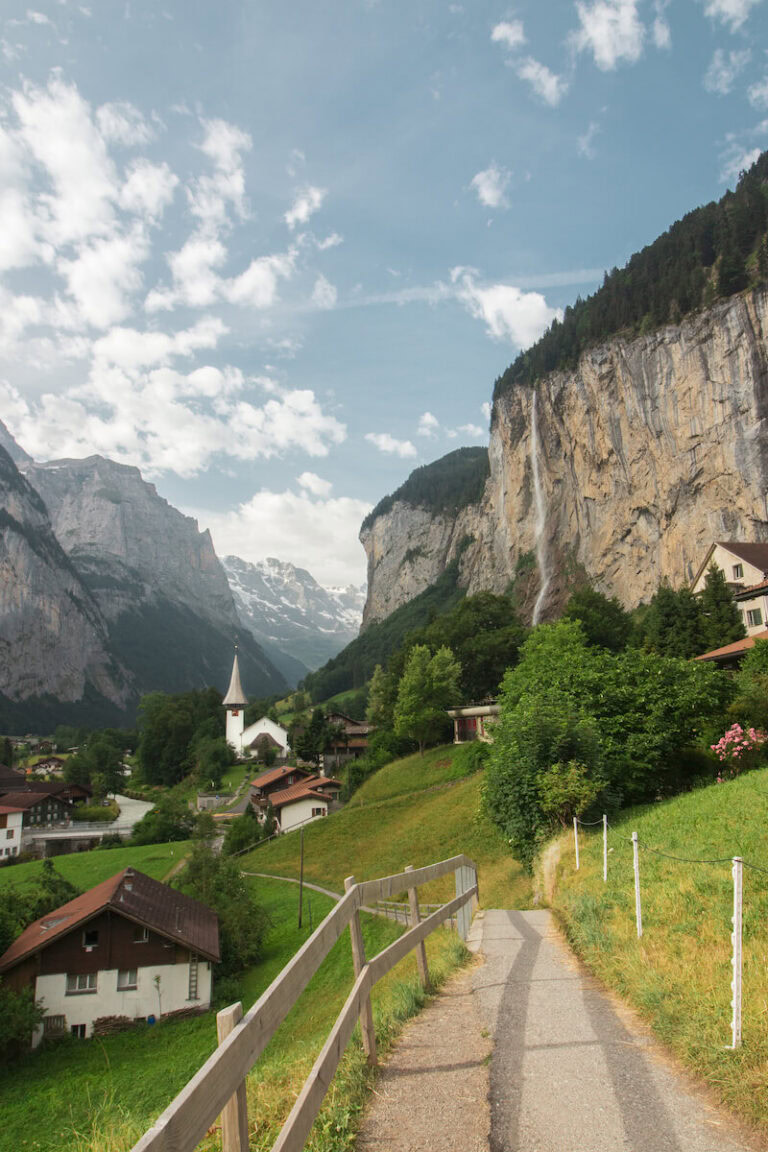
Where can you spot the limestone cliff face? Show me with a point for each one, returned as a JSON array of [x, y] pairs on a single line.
[[653, 448], [53, 640]]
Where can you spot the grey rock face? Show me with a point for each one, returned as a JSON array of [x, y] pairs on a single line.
[[285, 607], [653, 448]]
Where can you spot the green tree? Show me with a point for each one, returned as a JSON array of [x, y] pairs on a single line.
[[170, 819], [604, 620], [722, 620], [6, 752], [382, 697], [750, 705], [429, 685], [20, 1015], [315, 738], [213, 756]]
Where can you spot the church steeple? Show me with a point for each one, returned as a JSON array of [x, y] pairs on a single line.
[[235, 697]]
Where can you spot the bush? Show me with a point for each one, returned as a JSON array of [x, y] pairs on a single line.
[[470, 758], [19, 1017]]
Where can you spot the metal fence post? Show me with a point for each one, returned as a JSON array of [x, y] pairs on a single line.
[[638, 909], [576, 839], [736, 939], [605, 848], [421, 948], [358, 960], [234, 1118]]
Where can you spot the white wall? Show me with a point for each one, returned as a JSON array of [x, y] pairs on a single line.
[[300, 811], [85, 1007], [725, 559], [235, 728], [10, 837], [759, 601], [277, 733]]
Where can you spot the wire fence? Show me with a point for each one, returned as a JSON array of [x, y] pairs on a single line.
[[737, 863]]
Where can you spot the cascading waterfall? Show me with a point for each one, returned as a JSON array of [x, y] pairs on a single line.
[[541, 517]]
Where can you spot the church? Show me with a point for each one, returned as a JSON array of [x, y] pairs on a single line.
[[244, 740]]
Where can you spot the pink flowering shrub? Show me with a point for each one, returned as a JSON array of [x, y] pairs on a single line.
[[738, 749]]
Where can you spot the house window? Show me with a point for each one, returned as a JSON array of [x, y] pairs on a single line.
[[126, 978], [82, 982], [141, 935], [318, 811], [91, 938], [78, 1031], [754, 617], [738, 571], [9, 834], [53, 1025]]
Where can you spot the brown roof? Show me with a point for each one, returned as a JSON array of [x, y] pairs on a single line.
[[313, 787], [138, 898], [734, 649], [756, 554], [10, 778], [6, 809], [752, 590], [273, 774], [29, 799]]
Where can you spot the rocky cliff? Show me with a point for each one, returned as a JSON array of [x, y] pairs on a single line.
[[652, 448]]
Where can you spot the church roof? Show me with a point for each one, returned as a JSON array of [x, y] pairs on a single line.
[[235, 697]]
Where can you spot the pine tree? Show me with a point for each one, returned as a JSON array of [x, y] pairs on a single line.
[[722, 623]]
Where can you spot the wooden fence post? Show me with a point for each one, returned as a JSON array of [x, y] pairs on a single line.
[[421, 949], [234, 1118], [358, 959], [464, 914]]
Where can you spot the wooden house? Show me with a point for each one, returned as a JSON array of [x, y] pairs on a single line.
[[129, 949]]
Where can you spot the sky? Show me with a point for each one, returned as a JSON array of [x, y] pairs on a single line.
[[276, 254]]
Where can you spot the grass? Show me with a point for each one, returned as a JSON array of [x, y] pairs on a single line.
[[678, 975], [101, 1095], [384, 828], [86, 869]]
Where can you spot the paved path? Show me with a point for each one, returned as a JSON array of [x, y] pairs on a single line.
[[131, 811], [568, 1072]]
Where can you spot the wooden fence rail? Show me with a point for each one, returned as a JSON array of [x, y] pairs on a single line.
[[218, 1088]]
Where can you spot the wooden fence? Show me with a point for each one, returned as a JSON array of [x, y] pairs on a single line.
[[219, 1086]]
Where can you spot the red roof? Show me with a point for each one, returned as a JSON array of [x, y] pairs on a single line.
[[29, 799], [734, 649], [305, 789], [747, 593], [137, 897], [274, 774], [5, 810]]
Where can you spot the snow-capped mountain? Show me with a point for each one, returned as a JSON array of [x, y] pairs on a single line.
[[288, 612]]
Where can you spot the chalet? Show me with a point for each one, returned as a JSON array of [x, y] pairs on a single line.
[[130, 948], [11, 780], [53, 765], [244, 739], [730, 655], [72, 793], [275, 780], [304, 801], [11, 820], [746, 572], [474, 721], [41, 809], [351, 741]]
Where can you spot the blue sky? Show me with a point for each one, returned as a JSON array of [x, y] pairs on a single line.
[[275, 254]]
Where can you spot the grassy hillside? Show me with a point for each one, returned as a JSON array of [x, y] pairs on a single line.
[[678, 975], [99, 1096], [413, 811], [86, 869]]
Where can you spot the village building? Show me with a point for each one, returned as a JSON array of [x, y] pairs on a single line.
[[131, 949], [730, 655], [474, 722], [41, 809], [243, 739], [275, 780], [50, 765], [307, 800], [11, 822], [350, 741], [745, 567]]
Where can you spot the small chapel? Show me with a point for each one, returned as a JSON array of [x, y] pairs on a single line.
[[243, 739]]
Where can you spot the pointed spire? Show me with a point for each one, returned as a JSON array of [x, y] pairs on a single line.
[[235, 697]]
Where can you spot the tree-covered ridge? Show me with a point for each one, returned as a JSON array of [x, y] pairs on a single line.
[[448, 484], [714, 252]]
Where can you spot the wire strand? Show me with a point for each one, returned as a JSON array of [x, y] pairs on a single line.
[[588, 823]]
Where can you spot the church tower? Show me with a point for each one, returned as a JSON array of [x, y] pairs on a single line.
[[235, 703]]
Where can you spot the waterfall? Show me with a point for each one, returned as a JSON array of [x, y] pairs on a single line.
[[541, 517]]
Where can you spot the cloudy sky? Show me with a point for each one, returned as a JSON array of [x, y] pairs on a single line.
[[275, 254]]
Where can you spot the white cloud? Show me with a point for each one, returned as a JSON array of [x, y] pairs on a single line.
[[303, 528], [611, 30], [386, 443], [585, 144], [257, 286], [736, 159], [546, 85], [473, 430], [758, 93], [491, 185], [485, 408], [38, 17], [211, 194], [131, 349], [148, 189], [330, 241], [429, 425], [662, 34], [305, 205], [122, 123], [509, 33], [733, 13], [104, 275], [324, 294], [508, 313], [314, 484], [723, 70]]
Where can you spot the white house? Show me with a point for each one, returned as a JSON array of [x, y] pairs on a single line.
[[305, 801], [746, 573], [241, 738], [11, 820], [130, 948]]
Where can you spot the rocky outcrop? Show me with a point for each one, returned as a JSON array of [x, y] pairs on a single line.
[[54, 640], [653, 448]]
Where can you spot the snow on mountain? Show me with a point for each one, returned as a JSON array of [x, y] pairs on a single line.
[[285, 608]]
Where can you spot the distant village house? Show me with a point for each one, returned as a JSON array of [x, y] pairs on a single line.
[[474, 722]]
